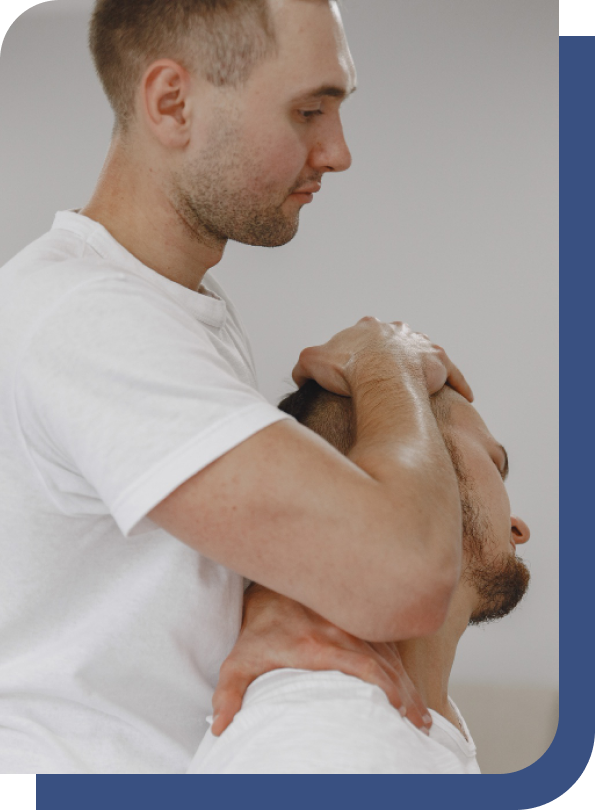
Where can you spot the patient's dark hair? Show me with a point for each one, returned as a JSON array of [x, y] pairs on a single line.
[[332, 416]]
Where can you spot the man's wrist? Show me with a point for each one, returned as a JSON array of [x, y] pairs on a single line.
[[399, 373]]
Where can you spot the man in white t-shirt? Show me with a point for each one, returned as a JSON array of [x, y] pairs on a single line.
[[130, 419], [293, 721]]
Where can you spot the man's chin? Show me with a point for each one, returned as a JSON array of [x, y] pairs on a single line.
[[275, 234], [500, 587]]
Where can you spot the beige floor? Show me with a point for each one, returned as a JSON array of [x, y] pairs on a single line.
[[512, 726]]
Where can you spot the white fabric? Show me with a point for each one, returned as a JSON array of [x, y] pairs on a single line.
[[293, 721], [116, 386]]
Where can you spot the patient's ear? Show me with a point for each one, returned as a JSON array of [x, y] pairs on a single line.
[[520, 530]]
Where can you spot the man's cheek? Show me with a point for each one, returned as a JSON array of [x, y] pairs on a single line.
[[283, 162]]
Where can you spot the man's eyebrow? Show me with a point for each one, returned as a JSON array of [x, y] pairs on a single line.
[[329, 90], [505, 469]]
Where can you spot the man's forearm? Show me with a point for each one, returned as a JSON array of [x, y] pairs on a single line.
[[399, 445]]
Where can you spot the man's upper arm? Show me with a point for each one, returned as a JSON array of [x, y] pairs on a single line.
[[287, 510], [121, 396]]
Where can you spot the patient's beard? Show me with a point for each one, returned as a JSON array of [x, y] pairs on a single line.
[[500, 581]]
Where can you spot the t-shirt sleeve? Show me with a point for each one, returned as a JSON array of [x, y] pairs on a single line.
[[122, 396]]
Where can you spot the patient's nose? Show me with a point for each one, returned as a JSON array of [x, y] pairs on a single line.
[[520, 530]]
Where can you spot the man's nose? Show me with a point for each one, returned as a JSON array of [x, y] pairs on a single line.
[[330, 153], [519, 529]]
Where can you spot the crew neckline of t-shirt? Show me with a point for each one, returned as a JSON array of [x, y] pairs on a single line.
[[465, 744], [205, 305]]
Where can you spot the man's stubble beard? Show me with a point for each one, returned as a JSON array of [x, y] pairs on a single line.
[[500, 581], [216, 207]]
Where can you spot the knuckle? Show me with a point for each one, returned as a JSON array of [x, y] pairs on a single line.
[[222, 694], [306, 353], [311, 647], [228, 671], [370, 669], [337, 636], [226, 667]]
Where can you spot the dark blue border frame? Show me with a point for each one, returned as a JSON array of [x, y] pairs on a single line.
[[563, 763]]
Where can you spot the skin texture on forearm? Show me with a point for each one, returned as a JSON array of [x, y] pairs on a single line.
[[398, 443]]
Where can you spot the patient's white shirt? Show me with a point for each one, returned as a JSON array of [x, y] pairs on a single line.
[[294, 721]]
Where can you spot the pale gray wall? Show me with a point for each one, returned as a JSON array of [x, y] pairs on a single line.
[[448, 219]]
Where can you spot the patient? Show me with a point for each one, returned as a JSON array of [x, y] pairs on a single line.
[[294, 721]]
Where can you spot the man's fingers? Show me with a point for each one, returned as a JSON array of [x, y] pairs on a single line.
[[222, 720], [307, 366], [454, 377], [457, 381], [327, 364], [415, 711], [381, 665], [317, 363], [299, 375], [412, 706], [373, 670], [227, 701]]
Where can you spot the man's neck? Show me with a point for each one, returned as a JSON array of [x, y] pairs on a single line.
[[428, 662], [130, 203]]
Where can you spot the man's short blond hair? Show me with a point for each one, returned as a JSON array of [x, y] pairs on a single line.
[[221, 39]]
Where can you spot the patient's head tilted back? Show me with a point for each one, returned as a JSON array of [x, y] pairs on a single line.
[[492, 573]]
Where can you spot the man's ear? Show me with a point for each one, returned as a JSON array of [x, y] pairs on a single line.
[[165, 102]]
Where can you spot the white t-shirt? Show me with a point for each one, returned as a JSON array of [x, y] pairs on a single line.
[[293, 721], [116, 386]]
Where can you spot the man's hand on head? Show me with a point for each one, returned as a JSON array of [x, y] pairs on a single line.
[[337, 364], [278, 632]]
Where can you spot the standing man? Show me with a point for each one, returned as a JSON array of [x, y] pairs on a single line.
[[143, 474]]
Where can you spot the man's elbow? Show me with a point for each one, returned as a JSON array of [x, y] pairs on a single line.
[[429, 614], [413, 589], [413, 609]]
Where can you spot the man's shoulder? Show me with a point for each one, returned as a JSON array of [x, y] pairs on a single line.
[[51, 275], [55, 259]]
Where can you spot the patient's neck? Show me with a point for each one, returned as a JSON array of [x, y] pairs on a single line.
[[428, 662]]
